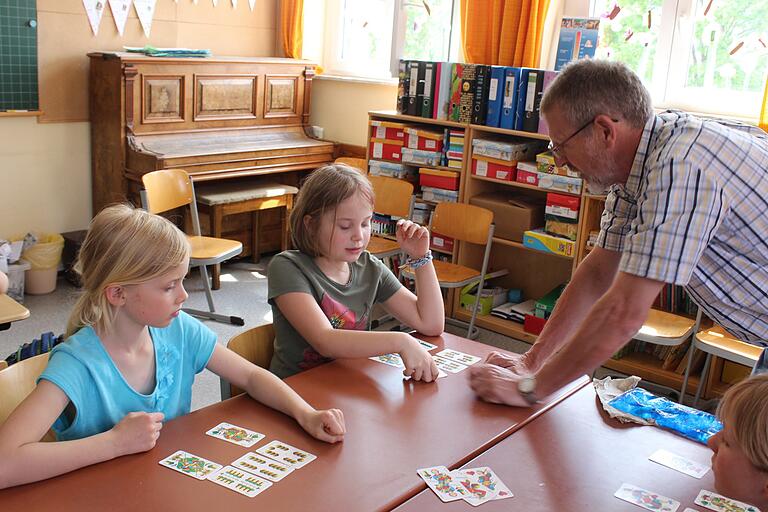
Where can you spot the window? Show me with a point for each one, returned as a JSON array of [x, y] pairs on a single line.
[[708, 56], [367, 39]]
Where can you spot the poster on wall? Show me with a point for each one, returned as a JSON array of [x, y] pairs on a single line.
[[145, 10], [578, 40], [120, 10], [95, 10]]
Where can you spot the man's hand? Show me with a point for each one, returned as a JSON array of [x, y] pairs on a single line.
[[496, 385], [518, 364]]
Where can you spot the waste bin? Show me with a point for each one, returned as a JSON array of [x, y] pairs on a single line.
[[44, 258]]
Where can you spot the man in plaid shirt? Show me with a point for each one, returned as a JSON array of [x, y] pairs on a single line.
[[687, 204]]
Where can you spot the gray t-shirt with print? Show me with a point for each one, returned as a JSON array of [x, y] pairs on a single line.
[[347, 306]]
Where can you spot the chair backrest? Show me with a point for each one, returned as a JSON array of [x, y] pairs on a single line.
[[17, 382], [167, 189], [461, 221], [357, 163], [255, 345], [719, 342], [393, 196]]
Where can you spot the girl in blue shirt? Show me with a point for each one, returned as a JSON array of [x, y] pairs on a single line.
[[130, 358]]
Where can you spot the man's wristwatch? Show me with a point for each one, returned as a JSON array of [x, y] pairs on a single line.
[[527, 389]]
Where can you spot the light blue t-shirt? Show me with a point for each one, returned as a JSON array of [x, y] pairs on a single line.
[[83, 370]]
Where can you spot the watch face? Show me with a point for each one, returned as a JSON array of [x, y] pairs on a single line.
[[526, 385]]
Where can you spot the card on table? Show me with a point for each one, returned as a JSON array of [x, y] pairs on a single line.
[[389, 359], [440, 375], [287, 454], [646, 499], [719, 503], [459, 357], [427, 345], [234, 434], [679, 463], [263, 466], [482, 485], [189, 464], [439, 479], [449, 365], [239, 481]]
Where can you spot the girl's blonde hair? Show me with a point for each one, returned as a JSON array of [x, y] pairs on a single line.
[[744, 408], [322, 192], [124, 246]]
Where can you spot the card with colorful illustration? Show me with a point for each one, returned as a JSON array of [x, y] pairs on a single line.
[[459, 357], [234, 434], [263, 467], [718, 503], [390, 359], [478, 479], [646, 499], [239, 481], [448, 365], [679, 463], [189, 464], [439, 479], [287, 454], [427, 345]]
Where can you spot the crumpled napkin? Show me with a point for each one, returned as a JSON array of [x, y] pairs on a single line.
[[609, 388]]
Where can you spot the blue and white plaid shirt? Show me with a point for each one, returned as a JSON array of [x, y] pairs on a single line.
[[694, 212]]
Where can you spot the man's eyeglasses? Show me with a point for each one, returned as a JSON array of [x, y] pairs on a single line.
[[557, 149]]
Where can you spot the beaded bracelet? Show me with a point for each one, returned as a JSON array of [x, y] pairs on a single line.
[[418, 262]]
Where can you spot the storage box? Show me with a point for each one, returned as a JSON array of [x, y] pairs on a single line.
[[421, 213], [561, 183], [424, 139], [533, 324], [525, 175], [386, 149], [564, 207], [418, 156], [560, 228], [545, 305], [489, 299], [539, 240], [439, 195], [509, 150], [441, 242], [388, 130], [390, 169], [496, 169], [546, 163], [512, 214], [447, 180]]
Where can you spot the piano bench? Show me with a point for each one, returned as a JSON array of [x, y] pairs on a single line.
[[221, 199]]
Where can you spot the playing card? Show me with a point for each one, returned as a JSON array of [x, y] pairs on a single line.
[[481, 479], [390, 359], [440, 375], [718, 503], [681, 464], [239, 481], [439, 479], [459, 357], [689, 509], [449, 365], [287, 454], [235, 434], [428, 346], [646, 499], [188, 464], [263, 466]]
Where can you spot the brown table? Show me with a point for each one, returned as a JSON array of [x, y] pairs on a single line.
[[10, 311], [574, 458], [394, 427]]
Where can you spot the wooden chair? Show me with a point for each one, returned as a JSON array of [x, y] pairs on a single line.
[[360, 164], [17, 382], [471, 224], [718, 342], [393, 197], [255, 345], [172, 188]]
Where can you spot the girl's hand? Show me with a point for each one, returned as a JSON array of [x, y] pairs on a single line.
[[419, 364], [326, 425], [137, 432], [413, 239]]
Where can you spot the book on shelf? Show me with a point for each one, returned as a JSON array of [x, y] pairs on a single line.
[[495, 96], [509, 97], [480, 94], [413, 82], [530, 113], [442, 91], [467, 97], [454, 100], [403, 85], [429, 89]]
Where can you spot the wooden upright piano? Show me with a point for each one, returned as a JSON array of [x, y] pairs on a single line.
[[219, 118]]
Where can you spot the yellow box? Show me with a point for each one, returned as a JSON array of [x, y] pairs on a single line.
[[539, 240]]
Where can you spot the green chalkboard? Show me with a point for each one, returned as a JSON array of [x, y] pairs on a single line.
[[18, 55]]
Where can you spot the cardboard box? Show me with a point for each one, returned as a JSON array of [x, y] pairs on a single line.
[[512, 214], [390, 169], [546, 163], [564, 207], [491, 168], [490, 298], [418, 156], [439, 195], [533, 324], [556, 227], [560, 183], [509, 150], [447, 180], [388, 130], [386, 149], [528, 177], [539, 240], [424, 139], [441, 242]]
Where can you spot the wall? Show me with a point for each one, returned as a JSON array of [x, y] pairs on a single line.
[[45, 166]]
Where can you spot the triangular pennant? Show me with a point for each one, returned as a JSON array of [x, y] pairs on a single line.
[[120, 10], [215, 3], [95, 10], [234, 4], [145, 9], [251, 3]]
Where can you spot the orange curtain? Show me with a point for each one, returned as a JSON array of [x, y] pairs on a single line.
[[503, 32], [292, 27], [764, 110]]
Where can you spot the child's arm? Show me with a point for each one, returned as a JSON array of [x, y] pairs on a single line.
[[24, 459], [305, 315], [424, 311], [264, 387]]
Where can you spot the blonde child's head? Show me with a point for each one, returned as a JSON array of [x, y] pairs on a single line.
[[124, 246], [740, 462], [320, 194]]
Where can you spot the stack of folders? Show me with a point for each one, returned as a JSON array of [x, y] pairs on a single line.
[[515, 311]]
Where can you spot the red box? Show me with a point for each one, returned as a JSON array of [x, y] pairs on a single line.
[[441, 242], [563, 206], [447, 180], [386, 149], [424, 140], [495, 169], [527, 177], [387, 130], [534, 324]]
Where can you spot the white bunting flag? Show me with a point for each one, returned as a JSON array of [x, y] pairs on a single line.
[[251, 3], [234, 4], [215, 3], [145, 9], [120, 10], [95, 10]]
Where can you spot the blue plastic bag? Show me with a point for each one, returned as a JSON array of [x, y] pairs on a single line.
[[687, 421]]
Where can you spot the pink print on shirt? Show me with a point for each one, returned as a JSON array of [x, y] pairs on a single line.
[[341, 317]]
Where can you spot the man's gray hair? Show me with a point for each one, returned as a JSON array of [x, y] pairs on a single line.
[[589, 87]]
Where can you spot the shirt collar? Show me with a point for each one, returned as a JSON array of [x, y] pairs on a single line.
[[647, 140]]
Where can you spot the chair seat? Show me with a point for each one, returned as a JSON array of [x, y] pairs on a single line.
[[664, 328], [383, 247], [718, 342], [206, 250], [233, 192]]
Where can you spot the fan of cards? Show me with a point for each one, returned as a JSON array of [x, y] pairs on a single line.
[[448, 360], [475, 486], [252, 473]]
